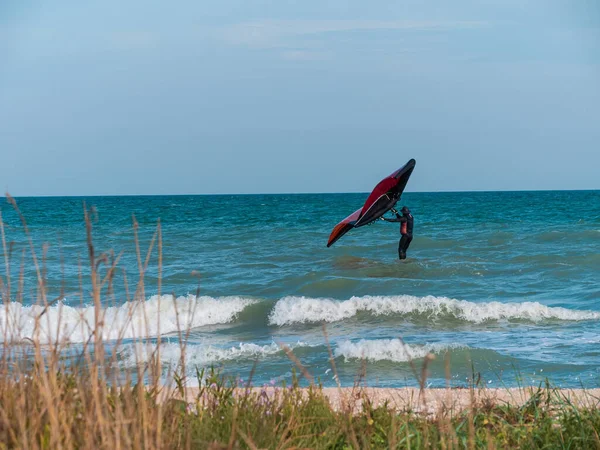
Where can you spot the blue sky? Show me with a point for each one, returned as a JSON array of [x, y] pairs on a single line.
[[153, 97]]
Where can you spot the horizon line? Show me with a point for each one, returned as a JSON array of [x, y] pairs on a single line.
[[300, 193]]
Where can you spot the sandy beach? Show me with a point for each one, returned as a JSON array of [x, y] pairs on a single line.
[[434, 401]]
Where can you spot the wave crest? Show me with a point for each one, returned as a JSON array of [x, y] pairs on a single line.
[[155, 316], [198, 355], [388, 350], [296, 310]]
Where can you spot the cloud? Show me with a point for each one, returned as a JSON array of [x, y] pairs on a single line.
[[272, 33]]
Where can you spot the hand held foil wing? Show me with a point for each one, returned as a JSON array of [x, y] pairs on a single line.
[[383, 197], [343, 227]]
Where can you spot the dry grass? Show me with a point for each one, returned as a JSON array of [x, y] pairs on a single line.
[[54, 395]]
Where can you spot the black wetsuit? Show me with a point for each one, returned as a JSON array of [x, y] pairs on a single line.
[[406, 231]]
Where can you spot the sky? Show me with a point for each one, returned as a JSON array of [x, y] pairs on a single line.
[[112, 97]]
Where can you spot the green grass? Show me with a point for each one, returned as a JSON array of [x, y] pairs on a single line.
[[73, 411]]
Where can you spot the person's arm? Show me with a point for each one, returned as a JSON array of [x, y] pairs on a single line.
[[398, 218]]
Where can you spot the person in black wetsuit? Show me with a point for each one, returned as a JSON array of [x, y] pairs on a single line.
[[406, 229]]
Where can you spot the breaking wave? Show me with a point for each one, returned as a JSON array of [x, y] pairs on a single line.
[[166, 314], [157, 315], [388, 350], [297, 310], [198, 355]]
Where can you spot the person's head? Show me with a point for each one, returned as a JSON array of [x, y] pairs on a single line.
[[405, 210]]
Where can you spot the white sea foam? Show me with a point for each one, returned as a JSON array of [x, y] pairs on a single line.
[[157, 315], [198, 355], [388, 350], [292, 310]]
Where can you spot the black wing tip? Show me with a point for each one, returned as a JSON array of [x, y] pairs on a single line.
[[406, 168]]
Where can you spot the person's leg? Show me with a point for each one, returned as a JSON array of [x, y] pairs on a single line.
[[401, 244], [407, 242]]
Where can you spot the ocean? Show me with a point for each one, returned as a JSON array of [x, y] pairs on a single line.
[[502, 287]]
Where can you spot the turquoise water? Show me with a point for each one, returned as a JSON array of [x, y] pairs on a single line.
[[503, 284]]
